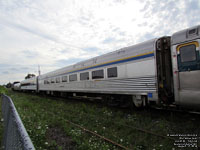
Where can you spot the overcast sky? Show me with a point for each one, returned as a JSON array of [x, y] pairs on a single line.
[[57, 33]]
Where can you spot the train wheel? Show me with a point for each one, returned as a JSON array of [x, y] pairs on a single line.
[[139, 101]]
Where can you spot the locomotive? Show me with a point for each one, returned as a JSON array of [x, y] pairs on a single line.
[[161, 71]]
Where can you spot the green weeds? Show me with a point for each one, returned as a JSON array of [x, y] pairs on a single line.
[[2, 91], [46, 121]]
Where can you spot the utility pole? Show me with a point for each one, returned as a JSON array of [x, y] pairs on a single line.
[[39, 70]]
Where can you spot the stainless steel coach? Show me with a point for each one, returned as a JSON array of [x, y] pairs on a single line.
[[165, 70], [185, 54]]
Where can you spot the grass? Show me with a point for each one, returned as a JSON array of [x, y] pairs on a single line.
[[2, 91], [46, 122]]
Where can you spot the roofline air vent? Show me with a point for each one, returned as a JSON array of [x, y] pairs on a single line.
[[192, 32]]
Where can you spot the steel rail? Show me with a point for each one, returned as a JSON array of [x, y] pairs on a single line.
[[149, 132], [97, 135], [132, 127], [164, 108], [151, 107], [135, 128], [176, 110]]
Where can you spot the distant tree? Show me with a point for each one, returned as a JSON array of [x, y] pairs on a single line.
[[8, 85], [29, 76]]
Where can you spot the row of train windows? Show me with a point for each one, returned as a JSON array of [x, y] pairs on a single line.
[[97, 74]]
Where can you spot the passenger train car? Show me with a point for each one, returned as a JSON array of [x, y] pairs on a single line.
[[16, 86], [29, 84], [164, 70]]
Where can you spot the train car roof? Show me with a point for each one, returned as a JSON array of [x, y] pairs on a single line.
[[137, 49], [186, 35]]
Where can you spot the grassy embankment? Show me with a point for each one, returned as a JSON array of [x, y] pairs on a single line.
[[46, 123], [2, 91]]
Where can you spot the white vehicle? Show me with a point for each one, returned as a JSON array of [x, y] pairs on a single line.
[[16, 86], [165, 70], [29, 84]]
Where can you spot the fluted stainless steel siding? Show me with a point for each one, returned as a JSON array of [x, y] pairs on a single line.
[[140, 85]]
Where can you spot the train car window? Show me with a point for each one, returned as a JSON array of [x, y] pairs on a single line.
[[98, 74], [52, 80], [64, 79], [112, 72], [73, 77], [45, 82], [26, 84], [188, 53], [48, 82], [84, 76], [58, 80]]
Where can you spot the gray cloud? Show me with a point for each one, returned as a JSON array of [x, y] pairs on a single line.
[[91, 49], [36, 32], [14, 68], [5, 72], [4, 65], [147, 36], [25, 68], [64, 50], [30, 54], [66, 62], [192, 5], [109, 40], [65, 27], [169, 16], [27, 29]]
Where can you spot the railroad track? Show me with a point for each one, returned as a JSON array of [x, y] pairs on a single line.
[[132, 127], [162, 109], [177, 110], [96, 100], [90, 131], [147, 131], [99, 136]]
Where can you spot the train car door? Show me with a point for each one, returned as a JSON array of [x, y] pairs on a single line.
[[188, 60], [164, 70], [37, 84]]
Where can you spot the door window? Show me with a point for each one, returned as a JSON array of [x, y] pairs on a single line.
[[188, 53], [188, 57]]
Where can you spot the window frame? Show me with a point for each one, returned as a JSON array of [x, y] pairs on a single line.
[[112, 68], [57, 79], [88, 78], [52, 80], [97, 77], [66, 77], [46, 81], [73, 75], [188, 65], [181, 53]]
